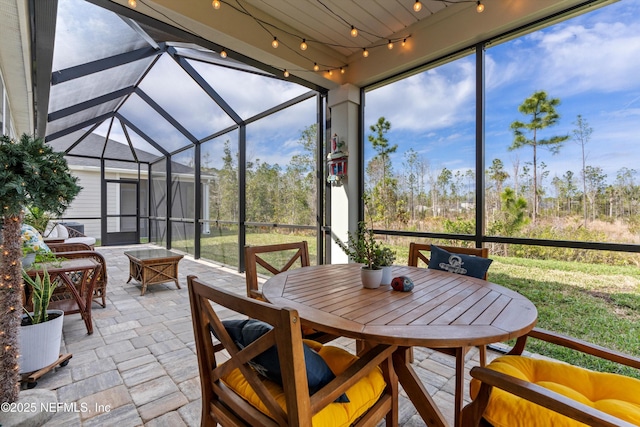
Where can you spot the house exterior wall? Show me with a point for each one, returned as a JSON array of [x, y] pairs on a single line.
[[87, 203]]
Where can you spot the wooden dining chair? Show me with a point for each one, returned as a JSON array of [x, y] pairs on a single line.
[[418, 253], [520, 390], [233, 374], [273, 259]]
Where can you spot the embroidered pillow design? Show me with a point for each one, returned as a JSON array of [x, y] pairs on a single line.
[[467, 265]]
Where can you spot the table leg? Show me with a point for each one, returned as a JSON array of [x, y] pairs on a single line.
[[85, 312], [459, 392], [416, 391]]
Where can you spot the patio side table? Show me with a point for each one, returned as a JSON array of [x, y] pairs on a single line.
[[153, 266], [77, 280]]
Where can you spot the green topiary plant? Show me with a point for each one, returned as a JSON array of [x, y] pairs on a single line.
[[31, 174]]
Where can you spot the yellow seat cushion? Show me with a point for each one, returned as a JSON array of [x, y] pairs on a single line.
[[362, 395], [614, 394]]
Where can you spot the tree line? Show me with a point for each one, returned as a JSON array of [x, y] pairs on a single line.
[[521, 198], [523, 194]]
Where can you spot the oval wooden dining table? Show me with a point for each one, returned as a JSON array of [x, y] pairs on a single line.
[[444, 310]]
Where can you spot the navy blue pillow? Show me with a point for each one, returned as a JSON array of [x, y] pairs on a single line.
[[244, 332], [468, 265]]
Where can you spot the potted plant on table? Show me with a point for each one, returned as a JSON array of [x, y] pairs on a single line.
[[385, 258], [363, 248], [32, 174]]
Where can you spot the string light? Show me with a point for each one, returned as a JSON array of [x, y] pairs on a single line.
[[479, 7], [133, 3], [331, 72], [275, 43]]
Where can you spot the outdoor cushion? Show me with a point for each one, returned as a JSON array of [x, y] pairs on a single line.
[[244, 332], [362, 395], [59, 231], [31, 238], [468, 265], [617, 395]]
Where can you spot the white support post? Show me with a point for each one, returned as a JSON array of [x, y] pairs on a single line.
[[344, 105]]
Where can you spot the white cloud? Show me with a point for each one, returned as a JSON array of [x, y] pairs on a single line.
[[430, 100]]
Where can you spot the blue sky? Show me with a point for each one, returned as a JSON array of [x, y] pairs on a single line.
[[590, 62]]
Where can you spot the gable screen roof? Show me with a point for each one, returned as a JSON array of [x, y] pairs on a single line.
[[149, 87]]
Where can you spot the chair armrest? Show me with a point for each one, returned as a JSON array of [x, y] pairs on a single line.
[[543, 397], [68, 247], [579, 345], [52, 240]]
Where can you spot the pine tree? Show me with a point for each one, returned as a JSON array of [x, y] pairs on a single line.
[[543, 114]]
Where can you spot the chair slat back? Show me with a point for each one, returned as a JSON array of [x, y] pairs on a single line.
[[418, 252], [273, 258], [286, 334]]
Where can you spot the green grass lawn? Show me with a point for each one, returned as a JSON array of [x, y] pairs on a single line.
[[596, 303]]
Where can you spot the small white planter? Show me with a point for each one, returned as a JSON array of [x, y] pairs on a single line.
[[40, 343], [386, 275], [28, 259], [371, 277]]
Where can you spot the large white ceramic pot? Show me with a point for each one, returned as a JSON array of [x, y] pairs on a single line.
[[371, 278], [40, 343], [386, 275]]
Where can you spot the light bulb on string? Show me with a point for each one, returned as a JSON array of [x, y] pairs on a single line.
[[316, 67], [341, 70], [133, 3], [479, 7], [286, 73], [390, 45], [216, 4], [303, 45], [354, 31], [275, 43], [365, 52], [417, 6], [404, 41], [331, 72], [223, 53]]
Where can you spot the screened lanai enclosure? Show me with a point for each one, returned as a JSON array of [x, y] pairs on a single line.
[[181, 141], [177, 142]]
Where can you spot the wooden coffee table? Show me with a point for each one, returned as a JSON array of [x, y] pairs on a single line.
[[153, 266]]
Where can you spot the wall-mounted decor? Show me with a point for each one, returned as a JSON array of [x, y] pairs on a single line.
[[337, 161]]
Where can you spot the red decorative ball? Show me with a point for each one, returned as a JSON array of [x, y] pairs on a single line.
[[402, 284]]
